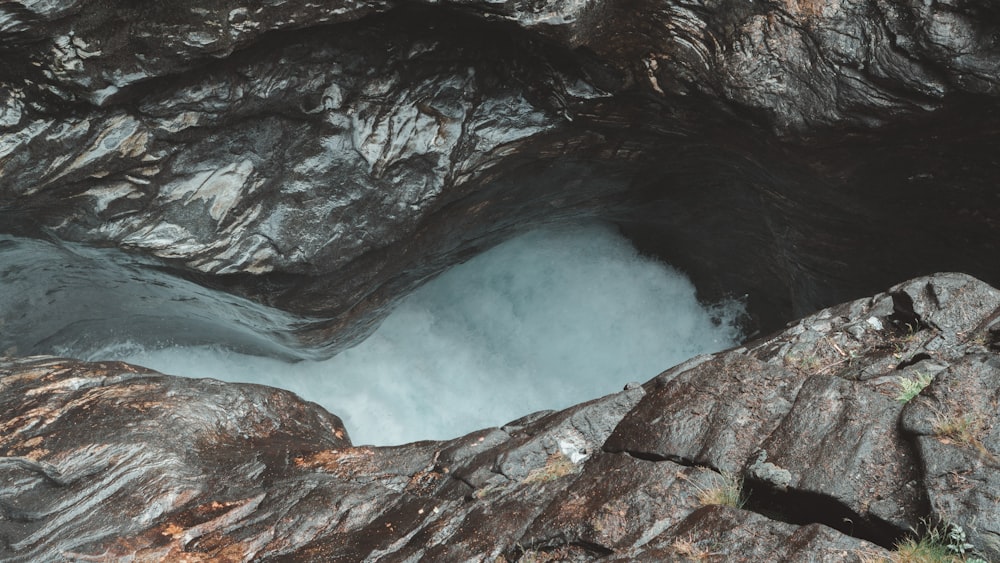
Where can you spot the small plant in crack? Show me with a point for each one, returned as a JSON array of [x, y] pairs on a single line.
[[957, 543], [957, 428], [487, 491], [909, 332], [962, 429], [727, 490], [944, 543], [911, 387], [690, 549]]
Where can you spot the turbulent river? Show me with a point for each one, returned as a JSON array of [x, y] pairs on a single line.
[[548, 319]]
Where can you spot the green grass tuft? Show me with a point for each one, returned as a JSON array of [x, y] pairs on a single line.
[[910, 388], [938, 544], [727, 490]]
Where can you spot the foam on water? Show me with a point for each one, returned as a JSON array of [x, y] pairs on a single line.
[[546, 320]]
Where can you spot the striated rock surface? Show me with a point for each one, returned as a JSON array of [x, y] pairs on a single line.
[[113, 455], [325, 158], [113, 462], [272, 178]]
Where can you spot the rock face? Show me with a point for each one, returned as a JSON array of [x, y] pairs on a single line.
[[324, 159], [114, 462], [273, 177]]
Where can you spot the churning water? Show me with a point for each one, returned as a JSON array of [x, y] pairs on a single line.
[[554, 317]]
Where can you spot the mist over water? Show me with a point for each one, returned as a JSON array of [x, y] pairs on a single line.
[[546, 320]]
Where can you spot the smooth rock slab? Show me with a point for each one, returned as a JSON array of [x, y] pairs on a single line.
[[723, 533], [620, 503], [956, 424], [840, 440], [715, 414]]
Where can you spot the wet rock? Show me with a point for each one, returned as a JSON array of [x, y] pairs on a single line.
[[714, 414], [321, 156], [875, 348], [875, 340], [97, 54], [806, 64], [575, 433], [955, 425], [326, 159], [56, 296], [732, 534], [620, 502], [840, 441], [112, 461], [323, 159]]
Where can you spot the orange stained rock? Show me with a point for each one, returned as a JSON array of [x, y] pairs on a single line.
[[813, 8], [343, 463]]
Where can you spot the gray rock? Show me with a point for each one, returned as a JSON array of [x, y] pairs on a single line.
[[953, 304], [731, 534], [841, 441], [769, 474], [326, 159], [296, 167], [575, 434], [715, 414], [310, 159], [955, 425], [96, 458], [620, 503]]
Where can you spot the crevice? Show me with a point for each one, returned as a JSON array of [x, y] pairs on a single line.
[[800, 508], [650, 456], [993, 337], [463, 480], [915, 359], [654, 457], [904, 320], [556, 549], [803, 508]]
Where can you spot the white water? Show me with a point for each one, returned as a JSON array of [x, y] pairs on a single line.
[[549, 319]]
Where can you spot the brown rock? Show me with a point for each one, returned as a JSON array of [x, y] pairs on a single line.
[[715, 414]]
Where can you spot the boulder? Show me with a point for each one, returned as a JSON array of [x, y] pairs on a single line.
[[112, 460], [841, 442]]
